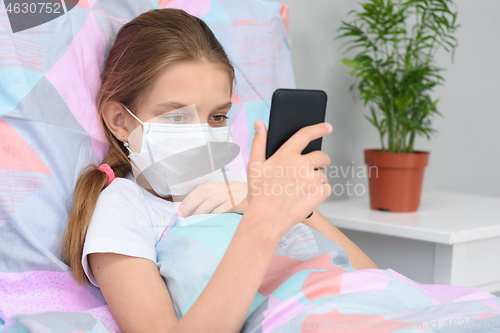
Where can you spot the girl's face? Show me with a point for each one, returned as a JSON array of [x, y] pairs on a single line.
[[205, 85], [181, 84]]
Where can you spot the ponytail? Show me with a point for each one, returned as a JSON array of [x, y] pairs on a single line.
[[91, 182]]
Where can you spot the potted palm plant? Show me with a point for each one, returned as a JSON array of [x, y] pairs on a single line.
[[396, 41]]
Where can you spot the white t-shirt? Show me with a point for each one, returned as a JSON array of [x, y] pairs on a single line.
[[127, 220]]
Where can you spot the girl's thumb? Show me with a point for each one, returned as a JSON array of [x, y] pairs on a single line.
[[258, 150]]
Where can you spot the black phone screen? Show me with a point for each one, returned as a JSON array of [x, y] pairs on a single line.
[[292, 109]]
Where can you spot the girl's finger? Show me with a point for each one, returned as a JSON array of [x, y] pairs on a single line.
[[298, 141], [222, 208], [318, 159], [210, 204], [194, 199], [218, 191]]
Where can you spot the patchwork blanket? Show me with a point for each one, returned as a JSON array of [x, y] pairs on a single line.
[[310, 285]]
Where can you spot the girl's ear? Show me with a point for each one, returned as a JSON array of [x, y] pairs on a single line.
[[114, 117]]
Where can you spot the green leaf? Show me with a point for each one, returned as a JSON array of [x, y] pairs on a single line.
[[393, 65]]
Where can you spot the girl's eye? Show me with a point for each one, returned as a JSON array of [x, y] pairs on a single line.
[[220, 118], [176, 118]]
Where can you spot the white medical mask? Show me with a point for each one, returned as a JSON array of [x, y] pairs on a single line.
[[176, 158]]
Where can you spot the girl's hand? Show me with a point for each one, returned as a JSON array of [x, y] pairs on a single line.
[[214, 198], [288, 186]]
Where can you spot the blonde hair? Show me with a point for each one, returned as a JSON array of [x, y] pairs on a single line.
[[143, 47]]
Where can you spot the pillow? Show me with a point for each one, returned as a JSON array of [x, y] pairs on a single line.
[[49, 76]]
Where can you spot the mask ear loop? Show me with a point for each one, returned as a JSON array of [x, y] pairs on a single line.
[[126, 145], [133, 115]]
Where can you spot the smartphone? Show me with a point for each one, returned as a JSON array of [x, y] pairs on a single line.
[[292, 109]]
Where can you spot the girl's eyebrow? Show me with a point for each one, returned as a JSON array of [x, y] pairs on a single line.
[[177, 105]]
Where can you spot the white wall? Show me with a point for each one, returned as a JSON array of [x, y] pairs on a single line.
[[465, 154]]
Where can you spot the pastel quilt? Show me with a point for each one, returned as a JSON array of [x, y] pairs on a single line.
[[310, 285]]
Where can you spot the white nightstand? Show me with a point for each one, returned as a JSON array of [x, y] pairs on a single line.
[[453, 238]]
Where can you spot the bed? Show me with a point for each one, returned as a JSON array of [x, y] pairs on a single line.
[[49, 76]]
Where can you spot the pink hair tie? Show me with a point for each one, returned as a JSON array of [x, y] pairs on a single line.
[[107, 169]]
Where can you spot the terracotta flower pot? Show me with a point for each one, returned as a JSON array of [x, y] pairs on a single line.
[[395, 179]]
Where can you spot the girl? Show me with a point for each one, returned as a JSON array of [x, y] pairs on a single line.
[[161, 61]]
